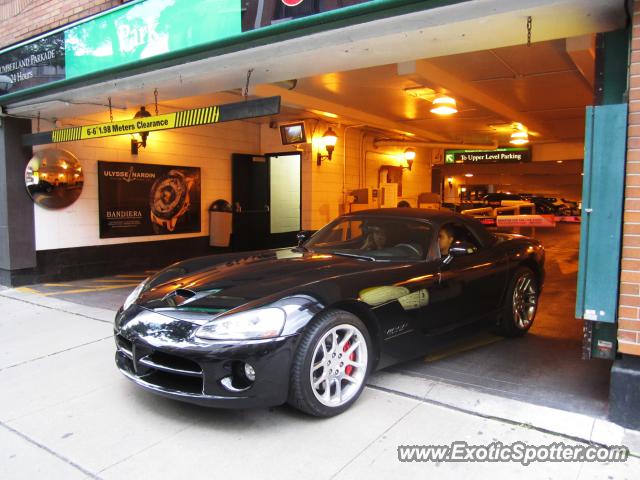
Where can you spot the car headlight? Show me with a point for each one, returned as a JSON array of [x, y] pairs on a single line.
[[252, 324], [133, 296]]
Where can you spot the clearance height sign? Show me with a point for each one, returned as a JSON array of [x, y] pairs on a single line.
[[186, 118]]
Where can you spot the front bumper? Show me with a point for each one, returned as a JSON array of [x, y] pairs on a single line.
[[161, 355]]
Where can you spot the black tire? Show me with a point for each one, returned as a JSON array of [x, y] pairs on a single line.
[[301, 391], [518, 312]]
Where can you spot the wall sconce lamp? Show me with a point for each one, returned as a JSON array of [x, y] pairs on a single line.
[[142, 141], [329, 140], [450, 182], [409, 156]]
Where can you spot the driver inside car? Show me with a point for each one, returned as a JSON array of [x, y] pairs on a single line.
[[445, 239], [376, 238]]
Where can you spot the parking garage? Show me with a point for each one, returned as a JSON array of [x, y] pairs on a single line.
[[371, 95]]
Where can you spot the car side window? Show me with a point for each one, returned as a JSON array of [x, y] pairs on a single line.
[[345, 232], [462, 233]]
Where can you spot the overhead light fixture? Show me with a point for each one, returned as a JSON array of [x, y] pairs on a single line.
[[141, 141], [323, 113], [519, 137], [444, 105], [329, 140], [468, 175], [409, 156]]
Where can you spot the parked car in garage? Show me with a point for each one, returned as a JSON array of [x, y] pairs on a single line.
[[307, 325], [572, 207], [502, 199]]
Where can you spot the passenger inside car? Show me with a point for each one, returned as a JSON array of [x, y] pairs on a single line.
[[445, 239], [376, 238]]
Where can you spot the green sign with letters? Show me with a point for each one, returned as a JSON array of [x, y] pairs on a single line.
[[147, 29], [143, 29], [499, 155], [124, 36]]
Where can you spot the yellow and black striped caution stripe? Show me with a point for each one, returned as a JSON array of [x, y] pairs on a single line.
[[66, 134], [197, 116]]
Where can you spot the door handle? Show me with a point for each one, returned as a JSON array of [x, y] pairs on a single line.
[[238, 207], [266, 208]]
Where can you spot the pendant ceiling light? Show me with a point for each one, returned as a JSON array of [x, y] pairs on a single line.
[[444, 105], [519, 138]]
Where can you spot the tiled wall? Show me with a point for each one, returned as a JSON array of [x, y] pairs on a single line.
[[210, 149], [205, 147]]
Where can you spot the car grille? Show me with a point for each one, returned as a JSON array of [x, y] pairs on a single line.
[[159, 368]]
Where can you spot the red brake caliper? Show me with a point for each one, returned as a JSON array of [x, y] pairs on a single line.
[[349, 368]]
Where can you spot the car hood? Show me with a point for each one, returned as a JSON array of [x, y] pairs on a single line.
[[217, 286]]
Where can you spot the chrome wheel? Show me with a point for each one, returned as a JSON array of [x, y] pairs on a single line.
[[339, 365], [525, 301]]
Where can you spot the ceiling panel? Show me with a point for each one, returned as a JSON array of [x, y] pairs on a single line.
[[539, 81], [538, 58]]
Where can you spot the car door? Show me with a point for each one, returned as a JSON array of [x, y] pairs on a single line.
[[478, 278], [421, 304]]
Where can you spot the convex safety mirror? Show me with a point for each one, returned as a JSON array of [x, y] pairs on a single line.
[[54, 178]]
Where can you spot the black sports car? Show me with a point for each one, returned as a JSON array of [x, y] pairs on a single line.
[[307, 325]]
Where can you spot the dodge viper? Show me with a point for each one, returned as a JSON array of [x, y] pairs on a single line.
[[307, 325]]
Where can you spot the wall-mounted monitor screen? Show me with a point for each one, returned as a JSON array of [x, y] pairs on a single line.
[[293, 133]]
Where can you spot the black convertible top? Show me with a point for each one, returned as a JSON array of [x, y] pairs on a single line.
[[436, 217], [427, 214]]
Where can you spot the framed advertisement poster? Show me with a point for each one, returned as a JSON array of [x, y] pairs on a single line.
[[138, 199]]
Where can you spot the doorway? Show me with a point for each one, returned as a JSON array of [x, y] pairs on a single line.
[[266, 197]]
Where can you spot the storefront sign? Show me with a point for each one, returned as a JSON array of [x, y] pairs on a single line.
[[147, 29], [500, 155], [39, 62], [185, 118], [140, 199], [142, 30], [525, 221]]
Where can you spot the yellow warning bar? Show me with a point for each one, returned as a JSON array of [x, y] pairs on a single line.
[[259, 107], [123, 127], [186, 118]]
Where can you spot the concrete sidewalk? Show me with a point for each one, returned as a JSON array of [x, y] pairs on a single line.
[[66, 412]]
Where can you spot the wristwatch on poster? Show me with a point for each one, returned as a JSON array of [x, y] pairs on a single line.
[[169, 199]]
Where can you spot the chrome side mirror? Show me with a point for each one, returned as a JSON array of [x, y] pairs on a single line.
[[303, 236]]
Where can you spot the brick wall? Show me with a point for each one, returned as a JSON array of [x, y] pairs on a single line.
[[23, 19], [629, 310]]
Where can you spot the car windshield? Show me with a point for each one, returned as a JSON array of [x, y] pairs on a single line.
[[373, 238]]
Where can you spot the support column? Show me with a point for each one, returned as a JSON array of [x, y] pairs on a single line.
[[17, 233]]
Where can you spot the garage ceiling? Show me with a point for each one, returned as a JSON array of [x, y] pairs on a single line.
[[539, 86]]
